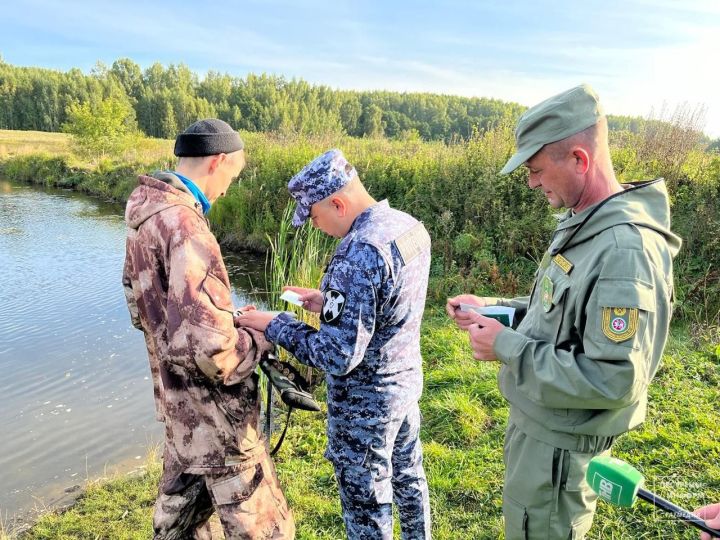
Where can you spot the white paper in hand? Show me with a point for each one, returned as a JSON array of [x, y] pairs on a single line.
[[503, 314], [291, 297]]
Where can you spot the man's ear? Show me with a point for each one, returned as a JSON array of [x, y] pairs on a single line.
[[340, 205], [582, 160], [215, 162]]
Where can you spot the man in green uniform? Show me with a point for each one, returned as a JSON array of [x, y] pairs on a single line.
[[590, 336]]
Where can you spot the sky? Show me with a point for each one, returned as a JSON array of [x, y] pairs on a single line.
[[643, 57]]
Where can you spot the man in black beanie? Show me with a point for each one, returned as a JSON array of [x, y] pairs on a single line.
[[203, 368], [210, 153]]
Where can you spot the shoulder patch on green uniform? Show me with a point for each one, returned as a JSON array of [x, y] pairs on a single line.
[[546, 292], [619, 324], [413, 242], [565, 265]]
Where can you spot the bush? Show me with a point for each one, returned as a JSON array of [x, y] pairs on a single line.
[[103, 128], [489, 231]]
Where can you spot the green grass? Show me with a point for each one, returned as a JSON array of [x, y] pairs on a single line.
[[14, 143], [22, 143], [52, 159], [120, 508], [677, 449]]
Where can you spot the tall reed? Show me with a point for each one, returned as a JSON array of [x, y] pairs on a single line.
[[296, 257]]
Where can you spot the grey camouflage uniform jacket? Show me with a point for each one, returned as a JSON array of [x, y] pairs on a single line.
[[368, 343]]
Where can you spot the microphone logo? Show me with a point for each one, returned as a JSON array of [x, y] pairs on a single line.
[[610, 491], [606, 488]]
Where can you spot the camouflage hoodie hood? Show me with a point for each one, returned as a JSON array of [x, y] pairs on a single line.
[[158, 192], [643, 204]]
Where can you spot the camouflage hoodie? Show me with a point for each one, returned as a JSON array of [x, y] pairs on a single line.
[[178, 293]]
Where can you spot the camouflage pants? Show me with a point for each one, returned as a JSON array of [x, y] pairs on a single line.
[[546, 496], [371, 476], [247, 498]]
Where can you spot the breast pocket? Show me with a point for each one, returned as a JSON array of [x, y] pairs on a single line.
[[622, 312]]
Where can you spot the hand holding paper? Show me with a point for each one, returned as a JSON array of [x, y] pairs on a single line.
[[483, 332], [469, 312], [291, 297], [462, 318], [309, 299]]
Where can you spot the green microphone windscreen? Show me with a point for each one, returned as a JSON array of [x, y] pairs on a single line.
[[614, 480]]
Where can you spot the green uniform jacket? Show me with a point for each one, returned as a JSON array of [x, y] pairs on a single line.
[[593, 330]]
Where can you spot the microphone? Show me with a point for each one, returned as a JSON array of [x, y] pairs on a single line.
[[620, 484]]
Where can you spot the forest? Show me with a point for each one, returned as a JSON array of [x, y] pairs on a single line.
[[163, 100]]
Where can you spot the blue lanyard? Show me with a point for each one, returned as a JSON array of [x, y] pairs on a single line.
[[196, 191]]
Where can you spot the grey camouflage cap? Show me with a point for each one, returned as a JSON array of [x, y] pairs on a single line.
[[552, 120], [322, 177]]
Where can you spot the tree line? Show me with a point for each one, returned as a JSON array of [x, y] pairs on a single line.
[[160, 101]]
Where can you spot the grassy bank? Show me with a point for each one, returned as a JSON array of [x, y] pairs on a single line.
[[52, 160], [464, 419]]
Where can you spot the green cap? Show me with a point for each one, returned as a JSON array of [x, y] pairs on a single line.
[[552, 120]]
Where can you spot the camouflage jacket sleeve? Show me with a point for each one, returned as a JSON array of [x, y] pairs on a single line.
[[130, 296], [201, 333], [338, 346], [591, 369]]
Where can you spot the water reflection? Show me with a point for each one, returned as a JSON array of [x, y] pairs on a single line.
[[76, 395]]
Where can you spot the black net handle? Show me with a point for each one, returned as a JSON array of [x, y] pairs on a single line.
[[282, 435]]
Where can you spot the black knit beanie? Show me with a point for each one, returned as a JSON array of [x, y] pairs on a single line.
[[207, 138]]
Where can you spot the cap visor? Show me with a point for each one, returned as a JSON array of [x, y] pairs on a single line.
[[302, 213], [520, 157]]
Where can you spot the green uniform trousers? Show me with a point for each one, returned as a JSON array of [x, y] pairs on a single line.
[[545, 496]]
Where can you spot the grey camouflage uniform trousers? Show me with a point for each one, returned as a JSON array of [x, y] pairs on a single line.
[[391, 471]]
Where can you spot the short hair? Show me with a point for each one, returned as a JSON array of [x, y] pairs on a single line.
[[591, 137], [192, 161]]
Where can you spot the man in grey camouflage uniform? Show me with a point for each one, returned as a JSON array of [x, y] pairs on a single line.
[[371, 302], [203, 368]]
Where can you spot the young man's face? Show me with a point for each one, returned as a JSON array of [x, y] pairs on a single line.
[[227, 171], [557, 178]]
